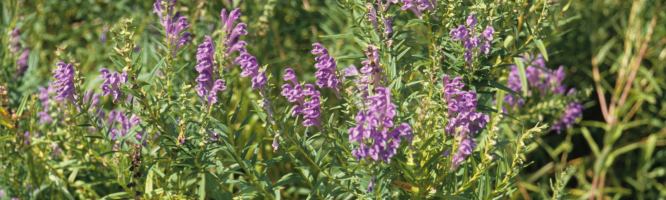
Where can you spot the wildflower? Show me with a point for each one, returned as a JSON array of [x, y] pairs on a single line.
[[112, 83], [232, 43], [371, 184], [572, 112], [326, 68], [464, 121], [540, 82], [417, 6], [26, 138], [207, 85], [121, 125], [64, 82], [175, 25], [373, 128], [472, 41], [306, 98]]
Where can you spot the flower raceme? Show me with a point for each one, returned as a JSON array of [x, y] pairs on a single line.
[[473, 42], [232, 43], [208, 84], [326, 68], [373, 127], [175, 25], [542, 81], [305, 97], [112, 83], [64, 82], [464, 121]]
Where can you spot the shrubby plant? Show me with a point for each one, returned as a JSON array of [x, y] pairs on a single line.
[[192, 99]]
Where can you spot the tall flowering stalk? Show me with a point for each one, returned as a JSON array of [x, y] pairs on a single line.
[[64, 82], [120, 124], [326, 68], [375, 133], [247, 62], [475, 43], [175, 25], [542, 81], [305, 97], [464, 121], [208, 83]]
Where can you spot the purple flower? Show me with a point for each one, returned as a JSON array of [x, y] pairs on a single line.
[[120, 124], [306, 99], [388, 26], [64, 82], [44, 117], [373, 128], [464, 121], [22, 62], [175, 25], [207, 84], [372, 15], [572, 112], [540, 80], [472, 41], [417, 6], [112, 83], [248, 63], [371, 184], [26, 138], [326, 68]]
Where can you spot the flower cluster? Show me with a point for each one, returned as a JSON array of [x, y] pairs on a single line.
[[15, 47], [175, 25], [248, 63], [542, 81], [207, 83], [326, 68], [306, 97], [373, 128], [472, 41], [15, 40], [121, 124], [64, 82], [464, 121], [22, 62], [417, 6], [572, 112], [112, 83]]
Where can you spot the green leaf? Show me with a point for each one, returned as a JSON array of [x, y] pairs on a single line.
[[521, 73], [542, 48]]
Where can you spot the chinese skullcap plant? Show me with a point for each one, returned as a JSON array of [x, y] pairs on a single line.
[[63, 83], [247, 62], [175, 25], [543, 82], [112, 83], [326, 68], [375, 134], [464, 121], [208, 85], [475, 43], [305, 97]]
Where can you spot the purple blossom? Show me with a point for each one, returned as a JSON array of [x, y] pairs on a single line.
[[388, 26], [373, 127], [22, 62], [464, 121], [542, 81], [26, 138], [120, 124], [64, 82], [326, 68], [306, 98], [207, 83], [371, 184], [112, 83], [572, 112], [175, 25], [418, 6], [472, 41], [248, 63]]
